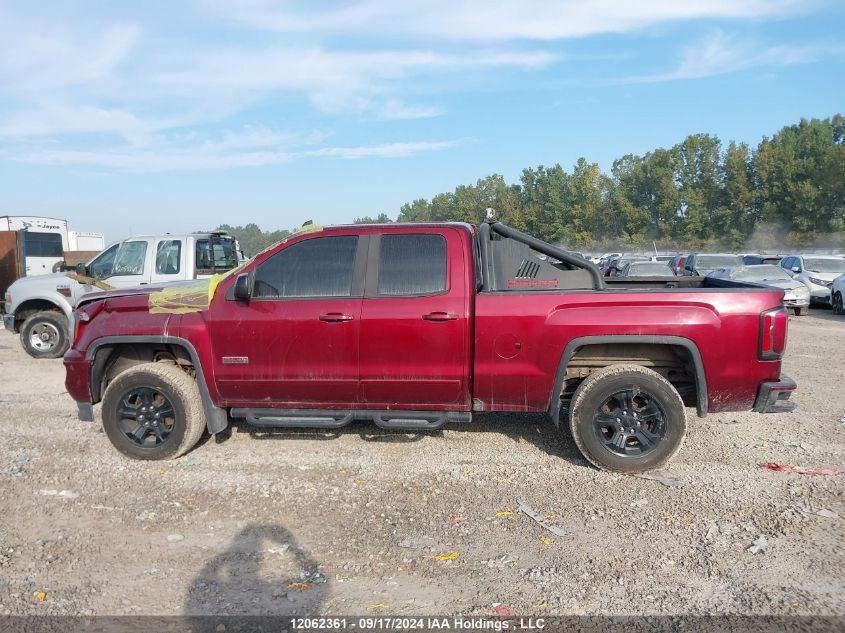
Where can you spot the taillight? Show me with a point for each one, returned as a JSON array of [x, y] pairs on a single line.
[[772, 333]]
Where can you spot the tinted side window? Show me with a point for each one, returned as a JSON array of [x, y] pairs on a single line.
[[168, 257], [412, 265], [130, 259], [319, 267], [42, 244]]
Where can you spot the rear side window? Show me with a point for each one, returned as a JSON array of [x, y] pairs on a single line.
[[216, 255], [319, 267], [411, 265], [168, 257]]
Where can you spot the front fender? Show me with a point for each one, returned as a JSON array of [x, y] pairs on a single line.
[[53, 298]]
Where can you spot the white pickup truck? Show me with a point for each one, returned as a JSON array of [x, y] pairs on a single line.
[[40, 307]]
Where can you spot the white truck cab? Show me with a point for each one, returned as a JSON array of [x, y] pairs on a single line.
[[40, 307]]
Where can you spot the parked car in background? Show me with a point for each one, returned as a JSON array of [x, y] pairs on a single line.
[[795, 294], [618, 263], [604, 258], [677, 264], [702, 264], [39, 308], [646, 269], [837, 293], [754, 260], [817, 272]]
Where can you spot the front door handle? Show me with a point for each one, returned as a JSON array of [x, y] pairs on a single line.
[[335, 317], [440, 316]]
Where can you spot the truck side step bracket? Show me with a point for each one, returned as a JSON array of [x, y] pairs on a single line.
[[333, 419]]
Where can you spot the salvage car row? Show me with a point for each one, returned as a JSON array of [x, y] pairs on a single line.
[[805, 278]]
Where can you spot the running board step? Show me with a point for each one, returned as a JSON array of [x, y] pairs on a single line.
[[293, 419], [333, 419]]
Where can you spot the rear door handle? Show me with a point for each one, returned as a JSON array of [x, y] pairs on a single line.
[[440, 316], [335, 317]]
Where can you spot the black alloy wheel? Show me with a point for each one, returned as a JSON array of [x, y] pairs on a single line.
[[146, 417], [630, 423]]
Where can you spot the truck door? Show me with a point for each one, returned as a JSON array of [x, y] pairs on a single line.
[[131, 266], [415, 321], [169, 261], [295, 342]]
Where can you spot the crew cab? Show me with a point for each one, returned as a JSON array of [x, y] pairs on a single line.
[[414, 326], [39, 307]]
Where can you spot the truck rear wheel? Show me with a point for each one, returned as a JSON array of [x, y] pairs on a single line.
[[153, 411], [45, 335], [627, 419]]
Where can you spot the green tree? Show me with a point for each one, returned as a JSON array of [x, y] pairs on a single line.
[[251, 238], [381, 218]]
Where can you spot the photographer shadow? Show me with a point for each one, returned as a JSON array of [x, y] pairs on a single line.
[[262, 579]]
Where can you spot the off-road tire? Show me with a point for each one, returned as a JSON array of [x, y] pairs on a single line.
[[55, 321], [173, 384], [601, 385], [836, 303], [802, 311]]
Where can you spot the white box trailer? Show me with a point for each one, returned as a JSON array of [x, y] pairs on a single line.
[[44, 241], [86, 241]]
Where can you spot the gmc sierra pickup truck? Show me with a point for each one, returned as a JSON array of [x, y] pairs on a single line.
[[414, 326]]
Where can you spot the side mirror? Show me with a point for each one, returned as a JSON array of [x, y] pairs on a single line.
[[242, 290], [796, 269], [81, 270]]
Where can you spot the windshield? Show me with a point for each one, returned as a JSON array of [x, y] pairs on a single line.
[[627, 260], [717, 261], [101, 266], [649, 269], [761, 273], [819, 265]]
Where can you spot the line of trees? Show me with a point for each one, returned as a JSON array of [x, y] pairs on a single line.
[[700, 194], [788, 191]]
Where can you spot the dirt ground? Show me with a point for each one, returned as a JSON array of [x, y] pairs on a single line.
[[364, 521]]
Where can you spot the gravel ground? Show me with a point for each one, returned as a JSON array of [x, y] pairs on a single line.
[[364, 521]]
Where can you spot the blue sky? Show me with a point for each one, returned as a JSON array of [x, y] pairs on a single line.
[[155, 116]]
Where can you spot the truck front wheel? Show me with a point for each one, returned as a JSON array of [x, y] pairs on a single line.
[[153, 411], [627, 419], [45, 335]]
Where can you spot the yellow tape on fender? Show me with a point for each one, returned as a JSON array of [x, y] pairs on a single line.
[[194, 296]]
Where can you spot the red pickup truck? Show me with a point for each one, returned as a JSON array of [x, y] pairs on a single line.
[[414, 326]]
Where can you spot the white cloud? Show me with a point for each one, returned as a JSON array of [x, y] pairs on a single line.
[[487, 20], [387, 150], [719, 54], [132, 88], [248, 147]]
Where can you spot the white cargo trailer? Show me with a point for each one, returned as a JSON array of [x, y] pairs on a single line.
[[86, 241]]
